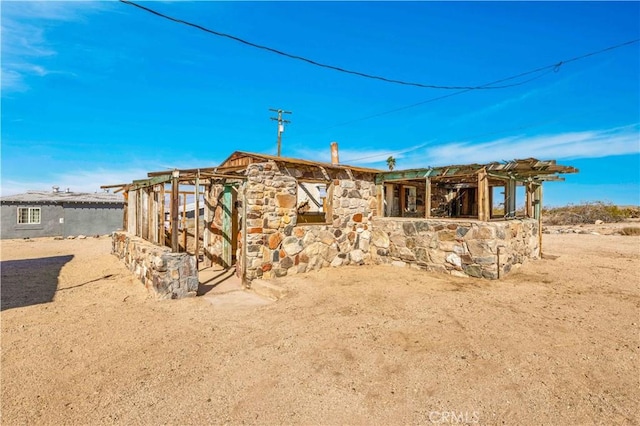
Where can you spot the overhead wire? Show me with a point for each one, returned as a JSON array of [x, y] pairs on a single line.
[[337, 68]]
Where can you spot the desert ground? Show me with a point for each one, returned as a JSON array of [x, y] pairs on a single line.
[[556, 342]]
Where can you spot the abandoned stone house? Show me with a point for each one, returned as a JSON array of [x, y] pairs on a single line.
[[271, 216]]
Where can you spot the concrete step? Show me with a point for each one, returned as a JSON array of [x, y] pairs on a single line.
[[268, 289]]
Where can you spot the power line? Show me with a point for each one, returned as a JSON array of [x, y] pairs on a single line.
[[550, 68], [332, 67]]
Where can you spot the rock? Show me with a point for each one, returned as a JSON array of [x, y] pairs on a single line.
[[58, 238], [398, 263], [70, 237], [380, 239], [291, 246], [275, 240], [598, 222], [454, 259], [356, 257], [473, 270], [337, 261], [82, 237]]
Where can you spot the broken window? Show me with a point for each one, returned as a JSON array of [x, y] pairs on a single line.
[[314, 202]]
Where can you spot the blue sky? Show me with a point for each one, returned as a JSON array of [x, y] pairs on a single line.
[[100, 93]]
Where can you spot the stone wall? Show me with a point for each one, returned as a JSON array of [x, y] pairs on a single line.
[[465, 248], [167, 275], [277, 246]]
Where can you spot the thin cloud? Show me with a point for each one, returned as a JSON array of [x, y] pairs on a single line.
[[24, 42], [572, 145]]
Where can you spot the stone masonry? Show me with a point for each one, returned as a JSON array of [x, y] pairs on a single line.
[[167, 275], [464, 248], [276, 246]]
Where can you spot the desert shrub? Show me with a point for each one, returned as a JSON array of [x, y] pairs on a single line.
[[574, 214], [630, 230]]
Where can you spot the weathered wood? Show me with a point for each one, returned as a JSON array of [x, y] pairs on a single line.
[[403, 200], [184, 221], [175, 200], [227, 226], [427, 198], [510, 198], [482, 196], [389, 192], [528, 203], [538, 214], [161, 215], [206, 233], [196, 249], [380, 200]]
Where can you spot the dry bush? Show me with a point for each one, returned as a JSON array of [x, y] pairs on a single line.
[[630, 230], [574, 214]]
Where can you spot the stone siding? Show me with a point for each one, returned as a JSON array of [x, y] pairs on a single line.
[[167, 275], [464, 248], [277, 246]]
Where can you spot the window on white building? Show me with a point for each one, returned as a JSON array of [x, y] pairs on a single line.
[[29, 215]]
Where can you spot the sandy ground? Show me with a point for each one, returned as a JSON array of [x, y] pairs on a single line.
[[556, 342]]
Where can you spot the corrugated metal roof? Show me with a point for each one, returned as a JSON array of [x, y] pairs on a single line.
[[61, 196]]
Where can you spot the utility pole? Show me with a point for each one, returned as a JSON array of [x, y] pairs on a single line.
[[281, 123]]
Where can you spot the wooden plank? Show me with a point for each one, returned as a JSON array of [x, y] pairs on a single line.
[[175, 200], [184, 221], [161, 215], [227, 226], [196, 250]]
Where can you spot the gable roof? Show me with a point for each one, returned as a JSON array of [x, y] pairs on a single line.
[[63, 197], [243, 159]]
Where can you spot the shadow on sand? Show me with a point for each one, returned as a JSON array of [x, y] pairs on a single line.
[[30, 281]]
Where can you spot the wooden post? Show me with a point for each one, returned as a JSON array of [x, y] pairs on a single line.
[[196, 248], [389, 191], [175, 200], [510, 198], [483, 195], [206, 232], [131, 213], [227, 226], [538, 215], [184, 221], [161, 216], [427, 199], [380, 199], [125, 213], [528, 204], [403, 200]]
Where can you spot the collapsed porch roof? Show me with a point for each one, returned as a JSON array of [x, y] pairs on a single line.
[[530, 170]]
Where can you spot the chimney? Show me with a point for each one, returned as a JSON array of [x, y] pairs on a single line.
[[334, 153]]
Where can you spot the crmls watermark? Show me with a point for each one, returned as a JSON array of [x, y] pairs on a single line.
[[454, 417]]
